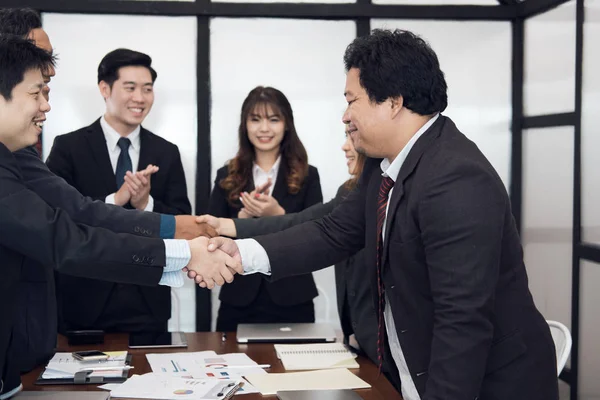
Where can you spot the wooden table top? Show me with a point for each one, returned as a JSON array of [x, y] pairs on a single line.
[[201, 341]]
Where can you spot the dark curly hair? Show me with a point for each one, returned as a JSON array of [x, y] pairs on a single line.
[[293, 153], [399, 63]]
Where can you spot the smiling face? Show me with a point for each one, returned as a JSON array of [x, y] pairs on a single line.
[[367, 122], [351, 155], [41, 40], [266, 128], [129, 100], [22, 117]]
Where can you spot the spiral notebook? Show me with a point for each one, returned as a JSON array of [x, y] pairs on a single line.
[[296, 357]]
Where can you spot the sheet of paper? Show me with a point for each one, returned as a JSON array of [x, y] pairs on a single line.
[[311, 380], [188, 362], [178, 362], [164, 386]]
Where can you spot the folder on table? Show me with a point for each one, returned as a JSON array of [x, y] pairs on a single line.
[[64, 369]]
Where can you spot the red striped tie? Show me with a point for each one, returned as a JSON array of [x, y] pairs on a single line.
[[387, 184]]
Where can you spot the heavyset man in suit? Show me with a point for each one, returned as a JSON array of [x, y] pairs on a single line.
[[118, 161], [441, 245], [36, 324], [32, 228]]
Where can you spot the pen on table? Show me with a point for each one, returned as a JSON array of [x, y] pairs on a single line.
[[223, 337], [244, 366], [122, 367]]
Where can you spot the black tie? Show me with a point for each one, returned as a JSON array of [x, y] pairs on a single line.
[[124, 162]]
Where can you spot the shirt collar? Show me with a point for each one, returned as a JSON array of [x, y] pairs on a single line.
[[393, 169], [273, 171], [112, 136]]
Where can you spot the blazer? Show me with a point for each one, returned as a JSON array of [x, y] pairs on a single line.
[[36, 325], [81, 158], [452, 268], [31, 227], [354, 298], [244, 289]]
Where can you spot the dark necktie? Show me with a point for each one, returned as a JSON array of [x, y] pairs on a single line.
[[387, 184], [124, 162]]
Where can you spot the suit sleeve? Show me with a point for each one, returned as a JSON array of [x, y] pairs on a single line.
[[314, 194], [32, 228], [461, 214], [318, 244], [176, 201], [218, 204], [249, 227], [56, 192]]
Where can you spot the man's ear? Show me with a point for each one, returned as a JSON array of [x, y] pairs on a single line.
[[396, 104], [104, 89]]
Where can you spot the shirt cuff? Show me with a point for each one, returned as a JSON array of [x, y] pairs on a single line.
[[150, 205], [254, 257], [110, 199], [172, 279], [178, 254], [167, 226]]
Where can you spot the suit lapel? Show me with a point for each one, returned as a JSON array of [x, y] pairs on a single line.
[[280, 190], [409, 165], [97, 142], [145, 150]]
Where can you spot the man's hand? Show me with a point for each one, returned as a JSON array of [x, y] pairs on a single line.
[[217, 245], [186, 227], [261, 205], [123, 195], [139, 186], [216, 267], [223, 226]]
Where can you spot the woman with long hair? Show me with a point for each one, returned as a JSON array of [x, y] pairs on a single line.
[[269, 175]]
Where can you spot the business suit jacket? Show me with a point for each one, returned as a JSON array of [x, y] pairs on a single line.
[[244, 289], [36, 324], [81, 158], [452, 268], [31, 227], [354, 297]]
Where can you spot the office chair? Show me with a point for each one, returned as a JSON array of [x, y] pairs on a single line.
[[562, 342]]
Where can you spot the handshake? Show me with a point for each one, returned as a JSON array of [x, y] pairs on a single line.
[[214, 261]]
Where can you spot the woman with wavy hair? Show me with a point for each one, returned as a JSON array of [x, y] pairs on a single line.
[[269, 175]]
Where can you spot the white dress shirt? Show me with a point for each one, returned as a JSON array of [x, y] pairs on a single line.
[[255, 259], [112, 137], [261, 176]]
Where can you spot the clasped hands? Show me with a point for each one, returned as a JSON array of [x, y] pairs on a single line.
[[214, 261]]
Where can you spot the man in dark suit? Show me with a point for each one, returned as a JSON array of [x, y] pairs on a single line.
[[441, 245], [30, 227], [36, 326], [107, 161]]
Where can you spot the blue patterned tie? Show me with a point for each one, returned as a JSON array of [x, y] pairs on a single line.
[[124, 162]]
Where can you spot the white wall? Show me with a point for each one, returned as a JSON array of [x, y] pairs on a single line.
[[82, 40], [549, 75]]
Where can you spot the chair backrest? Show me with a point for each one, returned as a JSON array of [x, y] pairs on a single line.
[[562, 343]]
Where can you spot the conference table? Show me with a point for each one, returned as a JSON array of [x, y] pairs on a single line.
[[262, 353]]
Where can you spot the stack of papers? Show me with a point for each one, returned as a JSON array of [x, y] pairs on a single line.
[[64, 366], [315, 356], [327, 379], [206, 365], [163, 386]]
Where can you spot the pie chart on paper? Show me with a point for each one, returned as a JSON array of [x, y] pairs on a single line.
[[183, 391]]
